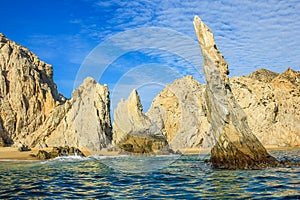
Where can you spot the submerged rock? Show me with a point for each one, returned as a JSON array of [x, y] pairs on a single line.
[[236, 146], [133, 131]]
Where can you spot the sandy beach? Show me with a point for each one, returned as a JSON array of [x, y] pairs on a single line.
[[12, 153]]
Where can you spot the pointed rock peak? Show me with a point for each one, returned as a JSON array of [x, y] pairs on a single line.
[[263, 75], [134, 99], [89, 80], [189, 77], [290, 72], [209, 49], [2, 35], [205, 36], [229, 124]]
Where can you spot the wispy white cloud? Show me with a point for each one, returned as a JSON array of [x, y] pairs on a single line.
[[249, 33]]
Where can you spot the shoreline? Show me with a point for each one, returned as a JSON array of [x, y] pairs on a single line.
[[12, 153]]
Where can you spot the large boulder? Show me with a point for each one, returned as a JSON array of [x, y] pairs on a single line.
[[82, 122], [133, 131], [236, 146]]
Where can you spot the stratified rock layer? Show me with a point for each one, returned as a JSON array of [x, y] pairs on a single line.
[[27, 92], [133, 131], [236, 146], [82, 122], [180, 113]]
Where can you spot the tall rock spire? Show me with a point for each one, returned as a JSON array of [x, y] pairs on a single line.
[[236, 146]]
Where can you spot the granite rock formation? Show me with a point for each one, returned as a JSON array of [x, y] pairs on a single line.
[[180, 113], [270, 100], [27, 92], [133, 131], [272, 104], [82, 122], [236, 146]]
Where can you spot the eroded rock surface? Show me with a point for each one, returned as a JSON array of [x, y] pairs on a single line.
[[27, 92], [270, 100], [180, 113], [133, 131], [236, 146], [59, 152], [82, 122], [272, 104]]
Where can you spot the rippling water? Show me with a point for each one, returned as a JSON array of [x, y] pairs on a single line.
[[158, 177]]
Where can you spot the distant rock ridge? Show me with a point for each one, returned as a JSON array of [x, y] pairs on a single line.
[[236, 146]]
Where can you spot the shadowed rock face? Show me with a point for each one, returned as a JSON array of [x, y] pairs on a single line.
[[236, 146], [133, 131]]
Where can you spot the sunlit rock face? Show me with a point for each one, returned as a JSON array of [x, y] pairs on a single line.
[[272, 104], [133, 131], [236, 146], [180, 113], [82, 122], [27, 92]]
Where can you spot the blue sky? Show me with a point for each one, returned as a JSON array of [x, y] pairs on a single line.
[[250, 34]]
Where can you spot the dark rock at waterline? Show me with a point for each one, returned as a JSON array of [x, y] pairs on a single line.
[[59, 152], [23, 147], [43, 155]]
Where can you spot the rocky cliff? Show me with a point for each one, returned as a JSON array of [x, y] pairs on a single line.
[[82, 122], [270, 100], [236, 146], [133, 131], [272, 104], [180, 113], [27, 92]]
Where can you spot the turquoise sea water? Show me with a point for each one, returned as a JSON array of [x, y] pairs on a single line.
[[160, 177]]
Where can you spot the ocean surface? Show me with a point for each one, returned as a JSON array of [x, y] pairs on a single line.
[[159, 177]]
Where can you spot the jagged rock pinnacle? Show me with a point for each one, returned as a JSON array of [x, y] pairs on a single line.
[[236, 146]]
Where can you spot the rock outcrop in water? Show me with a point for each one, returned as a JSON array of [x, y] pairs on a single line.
[[180, 113], [82, 122], [236, 146], [133, 131], [27, 92], [59, 152]]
